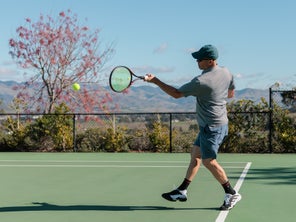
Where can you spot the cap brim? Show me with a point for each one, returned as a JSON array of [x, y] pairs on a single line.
[[195, 55]]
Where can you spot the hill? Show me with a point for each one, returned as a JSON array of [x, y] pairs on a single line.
[[143, 98], [152, 99]]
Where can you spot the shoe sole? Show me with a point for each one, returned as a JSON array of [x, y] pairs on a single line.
[[168, 197]]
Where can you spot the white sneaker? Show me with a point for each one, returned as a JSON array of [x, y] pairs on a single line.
[[175, 195], [230, 201]]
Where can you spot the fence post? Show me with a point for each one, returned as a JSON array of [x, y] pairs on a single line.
[[171, 133], [74, 133], [270, 120]]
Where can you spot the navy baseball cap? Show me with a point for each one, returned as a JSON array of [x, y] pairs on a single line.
[[206, 52]]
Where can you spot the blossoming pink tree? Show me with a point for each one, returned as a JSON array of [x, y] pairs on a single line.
[[56, 52]]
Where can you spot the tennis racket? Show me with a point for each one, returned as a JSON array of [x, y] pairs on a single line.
[[121, 78]]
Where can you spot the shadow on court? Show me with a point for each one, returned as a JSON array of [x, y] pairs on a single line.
[[274, 175], [52, 207]]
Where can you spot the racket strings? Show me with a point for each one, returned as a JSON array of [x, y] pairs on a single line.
[[120, 79]]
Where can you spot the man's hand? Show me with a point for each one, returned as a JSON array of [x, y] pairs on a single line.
[[150, 78]]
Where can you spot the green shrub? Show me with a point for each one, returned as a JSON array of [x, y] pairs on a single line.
[[53, 132], [249, 128], [13, 138], [158, 135], [284, 131], [89, 141], [97, 140]]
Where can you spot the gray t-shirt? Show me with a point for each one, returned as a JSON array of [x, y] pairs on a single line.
[[211, 91]]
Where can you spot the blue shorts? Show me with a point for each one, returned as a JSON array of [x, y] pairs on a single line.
[[209, 140]]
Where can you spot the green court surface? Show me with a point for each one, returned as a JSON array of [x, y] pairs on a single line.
[[125, 187]]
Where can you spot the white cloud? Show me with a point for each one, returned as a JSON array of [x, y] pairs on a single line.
[[152, 69], [238, 75], [9, 72], [161, 49], [6, 71], [190, 50]]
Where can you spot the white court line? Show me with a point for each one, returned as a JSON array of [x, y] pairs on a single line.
[[98, 161], [100, 166], [109, 161], [223, 214], [85, 166], [103, 163]]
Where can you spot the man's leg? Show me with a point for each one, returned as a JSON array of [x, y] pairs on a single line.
[[231, 196], [181, 192], [215, 168], [194, 163]]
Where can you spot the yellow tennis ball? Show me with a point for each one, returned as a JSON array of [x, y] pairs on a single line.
[[76, 86]]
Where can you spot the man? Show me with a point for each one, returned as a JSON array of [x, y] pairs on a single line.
[[211, 89]]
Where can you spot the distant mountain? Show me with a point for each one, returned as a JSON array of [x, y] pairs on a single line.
[[152, 99], [251, 94], [7, 93], [143, 98]]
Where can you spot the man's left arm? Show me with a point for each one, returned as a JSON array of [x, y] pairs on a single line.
[[230, 93], [231, 88]]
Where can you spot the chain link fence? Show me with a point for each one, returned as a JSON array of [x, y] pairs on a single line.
[[282, 102], [271, 130], [135, 132]]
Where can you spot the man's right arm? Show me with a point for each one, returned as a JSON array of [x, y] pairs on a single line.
[[170, 90]]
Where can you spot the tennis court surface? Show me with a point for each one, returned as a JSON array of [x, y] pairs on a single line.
[[125, 187]]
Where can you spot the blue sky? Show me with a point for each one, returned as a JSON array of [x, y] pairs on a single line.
[[255, 38]]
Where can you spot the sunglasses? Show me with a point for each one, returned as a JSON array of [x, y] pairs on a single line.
[[200, 60]]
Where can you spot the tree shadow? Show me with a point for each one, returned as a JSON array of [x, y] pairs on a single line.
[[273, 175], [37, 206]]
